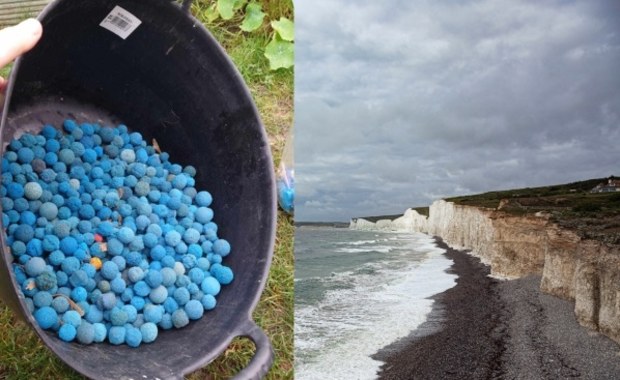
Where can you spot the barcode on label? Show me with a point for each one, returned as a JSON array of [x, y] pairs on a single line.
[[120, 22]]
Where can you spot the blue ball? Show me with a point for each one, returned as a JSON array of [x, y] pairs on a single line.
[[24, 233], [42, 298], [118, 285], [180, 318], [182, 296], [203, 215], [203, 199], [194, 309], [34, 247], [115, 247], [166, 322], [210, 285], [109, 270], [170, 305], [62, 229], [153, 313], [33, 191], [135, 274], [141, 289], [125, 235], [18, 248], [196, 275], [67, 332], [168, 276], [66, 156], [89, 156], [221, 247], [149, 332], [72, 317], [208, 301], [35, 266], [138, 302], [86, 333], [159, 294], [79, 294], [132, 313], [50, 243], [108, 301], [118, 317], [128, 155], [100, 332], [86, 211], [46, 281], [158, 252], [133, 336], [60, 304], [68, 245], [153, 278], [25, 155], [116, 335], [223, 274], [173, 238], [191, 236]]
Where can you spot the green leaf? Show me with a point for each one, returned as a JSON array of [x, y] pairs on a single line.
[[285, 28], [253, 17], [280, 53], [226, 8], [211, 13]]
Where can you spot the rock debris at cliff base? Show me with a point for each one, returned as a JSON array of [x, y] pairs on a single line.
[[489, 329]]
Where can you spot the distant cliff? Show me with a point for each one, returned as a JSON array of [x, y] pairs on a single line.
[[585, 271]]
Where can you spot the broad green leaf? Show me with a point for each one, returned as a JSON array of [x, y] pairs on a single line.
[[285, 28], [211, 13], [253, 17], [280, 53], [226, 8], [239, 4]]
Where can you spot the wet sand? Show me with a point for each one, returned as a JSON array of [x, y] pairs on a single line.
[[484, 328]]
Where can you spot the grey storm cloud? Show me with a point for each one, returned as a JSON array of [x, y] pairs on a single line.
[[399, 103]]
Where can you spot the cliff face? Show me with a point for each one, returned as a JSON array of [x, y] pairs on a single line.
[[585, 271]]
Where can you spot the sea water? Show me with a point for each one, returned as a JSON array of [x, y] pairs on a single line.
[[358, 291]]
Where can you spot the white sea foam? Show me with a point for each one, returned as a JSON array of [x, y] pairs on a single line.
[[335, 338], [375, 248]]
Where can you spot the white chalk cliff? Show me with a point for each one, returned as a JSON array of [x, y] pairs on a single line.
[[584, 271]]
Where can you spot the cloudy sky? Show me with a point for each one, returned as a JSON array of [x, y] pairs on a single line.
[[402, 102]]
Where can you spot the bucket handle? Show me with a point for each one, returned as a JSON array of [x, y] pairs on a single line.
[[263, 358]]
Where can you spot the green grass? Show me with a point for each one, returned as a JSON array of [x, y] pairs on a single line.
[[570, 194], [22, 355]]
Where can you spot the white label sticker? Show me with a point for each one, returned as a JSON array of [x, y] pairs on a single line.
[[120, 22]]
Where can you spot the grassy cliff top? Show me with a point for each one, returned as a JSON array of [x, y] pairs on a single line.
[[571, 205]]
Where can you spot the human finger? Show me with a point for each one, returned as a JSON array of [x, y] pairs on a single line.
[[18, 39]]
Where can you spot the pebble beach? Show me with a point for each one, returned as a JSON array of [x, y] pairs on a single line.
[[485, 328]]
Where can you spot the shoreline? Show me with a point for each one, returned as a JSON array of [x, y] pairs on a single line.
[[485, 328]]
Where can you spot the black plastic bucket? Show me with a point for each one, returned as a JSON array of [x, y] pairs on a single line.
[[171, 81]]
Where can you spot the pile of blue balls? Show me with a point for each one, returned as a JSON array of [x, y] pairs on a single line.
[[111, 241]]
